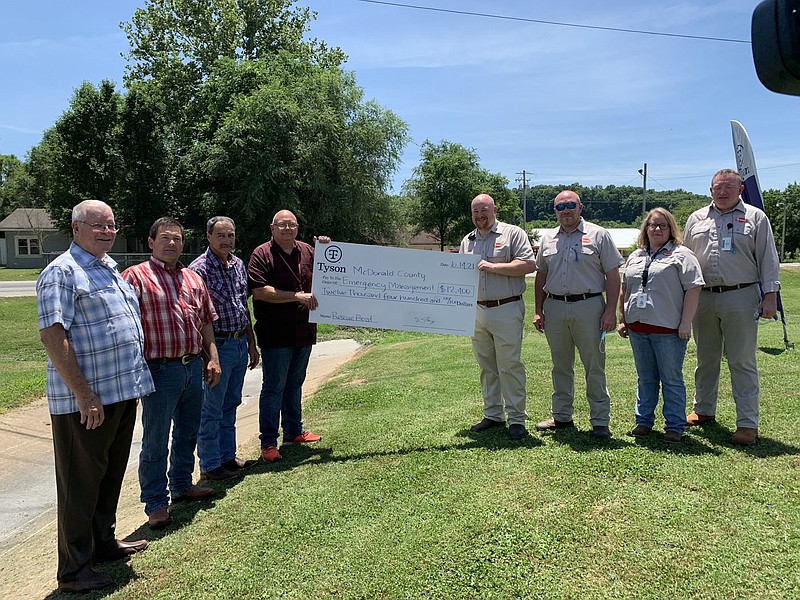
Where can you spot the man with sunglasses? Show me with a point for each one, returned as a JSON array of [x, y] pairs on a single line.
[[506, 257], [577, 262], [279, 278], [734, 244]]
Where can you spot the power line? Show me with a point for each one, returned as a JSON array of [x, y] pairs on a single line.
[[558, 23]]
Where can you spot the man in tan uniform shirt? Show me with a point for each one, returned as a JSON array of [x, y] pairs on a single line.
[[734, 244], [506, 257], [577, 262]]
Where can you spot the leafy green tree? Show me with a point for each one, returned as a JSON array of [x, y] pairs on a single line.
[[775, 202], [442, 186], [15, 186], [300, 137]]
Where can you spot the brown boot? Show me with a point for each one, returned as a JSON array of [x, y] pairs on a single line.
[[745, 436], [695, 419]]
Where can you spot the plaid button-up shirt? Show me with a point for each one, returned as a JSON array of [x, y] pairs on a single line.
[[175, 307], [227, 285], [100, 314]]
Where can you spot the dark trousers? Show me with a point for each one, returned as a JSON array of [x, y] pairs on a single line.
[[90, 466]]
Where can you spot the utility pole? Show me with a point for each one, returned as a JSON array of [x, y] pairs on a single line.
[[643, 173], [524, 181], [783, 229]]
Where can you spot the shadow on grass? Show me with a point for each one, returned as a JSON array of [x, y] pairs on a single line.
[[295, 455], [773, 351], [719, 435]]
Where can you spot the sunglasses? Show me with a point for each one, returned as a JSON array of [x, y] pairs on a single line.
[[562, 205]]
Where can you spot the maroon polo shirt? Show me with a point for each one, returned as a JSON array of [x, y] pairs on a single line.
[[279, 325]]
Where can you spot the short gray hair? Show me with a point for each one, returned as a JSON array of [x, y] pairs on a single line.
[[214, 220], [79, 210]]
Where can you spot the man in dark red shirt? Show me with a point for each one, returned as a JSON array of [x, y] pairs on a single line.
[[280, 281]]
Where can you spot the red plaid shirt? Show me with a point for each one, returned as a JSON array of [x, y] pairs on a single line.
[[175, 307]]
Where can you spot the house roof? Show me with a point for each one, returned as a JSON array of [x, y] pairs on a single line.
[[27, 219]]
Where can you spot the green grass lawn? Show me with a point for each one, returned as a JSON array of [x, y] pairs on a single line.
[[7, 274], [400, 500]]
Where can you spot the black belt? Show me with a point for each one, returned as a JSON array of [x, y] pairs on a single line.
[[573, 297], [184, 360], [718, 289], [493, 303], [231, 335]]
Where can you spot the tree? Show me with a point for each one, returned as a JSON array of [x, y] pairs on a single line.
[[15, 182], [442, 186], [296, 136]]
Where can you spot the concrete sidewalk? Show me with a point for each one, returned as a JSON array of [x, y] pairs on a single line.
[[27, 472]]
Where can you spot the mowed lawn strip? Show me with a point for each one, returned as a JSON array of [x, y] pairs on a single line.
[[400, 500]]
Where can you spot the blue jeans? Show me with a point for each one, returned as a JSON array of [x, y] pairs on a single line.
[[176, 402], [216, 441], [659, 359], [284, 372]]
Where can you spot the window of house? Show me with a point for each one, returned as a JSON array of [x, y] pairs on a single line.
[[28, 247]]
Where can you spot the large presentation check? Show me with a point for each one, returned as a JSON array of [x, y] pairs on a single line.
[[395, 288]]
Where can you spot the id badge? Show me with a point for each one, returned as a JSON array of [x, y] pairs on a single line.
[[727, 243], [641, 300]]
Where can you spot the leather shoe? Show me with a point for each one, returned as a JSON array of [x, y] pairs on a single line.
[[601, 432], [673, 437], [549, 424], [695, 419], [236, 463], [640, 431], [159, 518], [196, 492], [517, 431], [745, 436], [86, 580], [218, 474], [120, 549], [485, 424]]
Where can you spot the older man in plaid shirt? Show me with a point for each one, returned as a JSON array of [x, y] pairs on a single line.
[[226, 278], [177, 317], [90, 328]]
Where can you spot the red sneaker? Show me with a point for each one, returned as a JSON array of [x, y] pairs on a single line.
[[270, 454], [304, 438]]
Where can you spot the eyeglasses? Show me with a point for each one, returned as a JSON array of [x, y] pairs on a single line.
[[562, 205], [286, 225], [102, 226], [725, 186], [654, 226]]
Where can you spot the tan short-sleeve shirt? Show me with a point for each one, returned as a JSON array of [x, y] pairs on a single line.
[[576, 262]]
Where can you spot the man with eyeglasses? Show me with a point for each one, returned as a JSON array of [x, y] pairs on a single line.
[[177, 317], [90, 327], [279, 274], [506, 257], [577, 262], [225, 276], [734, 244]]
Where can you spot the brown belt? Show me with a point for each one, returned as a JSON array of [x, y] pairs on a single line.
[[718, 289], [493, 303], [184, 360], [231, 335], [573, 297]]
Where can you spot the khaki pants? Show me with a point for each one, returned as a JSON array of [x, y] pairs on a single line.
[[497, 344], [570, 325], [727, 321]]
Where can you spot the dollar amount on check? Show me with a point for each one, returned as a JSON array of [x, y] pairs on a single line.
[[395, 288]]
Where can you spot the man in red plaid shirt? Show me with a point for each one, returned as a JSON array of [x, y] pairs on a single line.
[[177, 317]]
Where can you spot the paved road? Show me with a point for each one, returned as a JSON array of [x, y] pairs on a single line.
[[27, 473], [17, 288]]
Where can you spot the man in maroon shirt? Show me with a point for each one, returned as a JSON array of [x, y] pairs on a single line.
[[280, 281]]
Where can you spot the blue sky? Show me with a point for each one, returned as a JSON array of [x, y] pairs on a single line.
[[564, 104]]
